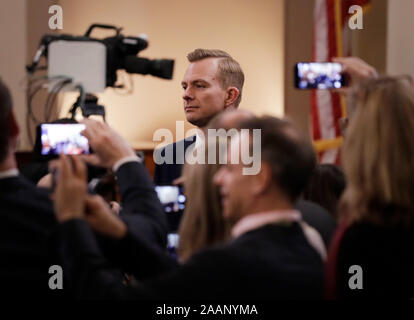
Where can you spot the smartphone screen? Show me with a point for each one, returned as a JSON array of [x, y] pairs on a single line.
[[319, 75], [172, 198], [63, 138]]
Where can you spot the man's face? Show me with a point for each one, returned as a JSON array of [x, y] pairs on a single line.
[[235, 191], [203, 95]]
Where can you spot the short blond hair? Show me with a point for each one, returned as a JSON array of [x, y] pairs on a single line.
[[230, 71], [378, 155]]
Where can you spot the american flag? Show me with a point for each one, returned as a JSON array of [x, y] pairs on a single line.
[[330, 26]]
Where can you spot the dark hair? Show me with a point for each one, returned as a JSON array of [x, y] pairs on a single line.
[[326, 186], [290, 156], [5, 108]]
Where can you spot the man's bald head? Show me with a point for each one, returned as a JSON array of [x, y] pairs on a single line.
[[230, 119]]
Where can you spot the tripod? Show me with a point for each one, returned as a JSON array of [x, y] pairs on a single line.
[[89, 107]]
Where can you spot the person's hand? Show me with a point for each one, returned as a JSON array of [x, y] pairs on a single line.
[[71, 188], [108, 145], [115, 207], [179, 181], [101, 218], [46, 181], [357, 69]]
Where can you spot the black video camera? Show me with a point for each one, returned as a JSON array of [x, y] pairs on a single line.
[[121, 53]]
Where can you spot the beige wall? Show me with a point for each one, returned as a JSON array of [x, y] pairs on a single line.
[[400, 48], [370, 44], [298, 47], [252, 31], [13, 55], [23, 22], [266, 36]]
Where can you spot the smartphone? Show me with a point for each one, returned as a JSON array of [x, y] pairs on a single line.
[[58, 138], [172, 244], [172, 198], [319, 75]]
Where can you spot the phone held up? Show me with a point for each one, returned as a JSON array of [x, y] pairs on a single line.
[[319, 75], [53, 139]]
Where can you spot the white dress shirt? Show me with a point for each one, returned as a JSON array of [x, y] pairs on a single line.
[[9, 173]]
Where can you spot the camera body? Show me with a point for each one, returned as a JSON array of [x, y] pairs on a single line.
[[74, 56]]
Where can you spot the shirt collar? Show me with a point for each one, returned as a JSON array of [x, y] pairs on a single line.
[[257, 220], [9, 173]]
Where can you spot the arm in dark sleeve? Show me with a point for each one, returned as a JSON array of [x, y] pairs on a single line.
[[140, 256], [168, 164], [140, 204], [94, 278], [85, 268]]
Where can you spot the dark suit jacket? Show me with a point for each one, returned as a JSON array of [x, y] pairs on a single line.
[[141, 208], [26, 223], [385, 255], [319, 218], [270, 262], [166, 173]]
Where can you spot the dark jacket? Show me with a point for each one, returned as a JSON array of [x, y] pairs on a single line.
[[273, 261], [27, 222], [385, 256], [166, 173], [319, 218], [28, 226]]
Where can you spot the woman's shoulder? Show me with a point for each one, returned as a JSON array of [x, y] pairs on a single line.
[[363, 236]]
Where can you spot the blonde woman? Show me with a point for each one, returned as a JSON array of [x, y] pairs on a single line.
[[373, 252], [202, 224]]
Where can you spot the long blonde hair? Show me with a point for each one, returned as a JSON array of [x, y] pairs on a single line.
[[203, 224], [378, 155]]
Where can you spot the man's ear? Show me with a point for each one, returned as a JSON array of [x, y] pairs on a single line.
[[14, 130], [263, 179], [232, 93]]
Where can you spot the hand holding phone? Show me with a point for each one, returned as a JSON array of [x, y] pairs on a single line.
[[108, 145], [356, 68]]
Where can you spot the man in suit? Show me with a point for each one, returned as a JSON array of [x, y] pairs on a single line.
[[27, 221], [212, 83], [26, 216], [272, 254], [312, 213]]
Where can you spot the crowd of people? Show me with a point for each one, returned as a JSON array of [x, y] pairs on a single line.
[[296, 229]]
